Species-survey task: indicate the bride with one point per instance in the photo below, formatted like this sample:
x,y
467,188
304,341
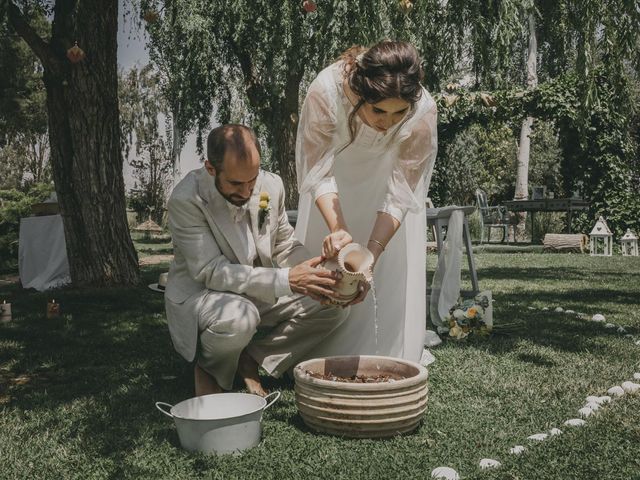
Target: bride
x,y
365,150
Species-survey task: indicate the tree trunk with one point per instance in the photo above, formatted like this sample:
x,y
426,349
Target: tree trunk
x,y
84,135
176,148
559,242
284,127
281,120
522,173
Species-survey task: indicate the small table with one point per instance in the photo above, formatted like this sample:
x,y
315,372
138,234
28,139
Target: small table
x,y
568,205
438,218
42,253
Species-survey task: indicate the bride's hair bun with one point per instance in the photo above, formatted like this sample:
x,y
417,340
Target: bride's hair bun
x,y
387,70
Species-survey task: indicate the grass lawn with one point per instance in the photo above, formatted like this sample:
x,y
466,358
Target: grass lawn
x,y
77,393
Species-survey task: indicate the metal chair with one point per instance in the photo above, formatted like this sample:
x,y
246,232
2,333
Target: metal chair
x,y
493,217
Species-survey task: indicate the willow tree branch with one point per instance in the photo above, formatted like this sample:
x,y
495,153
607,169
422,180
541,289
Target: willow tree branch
x,y
22,27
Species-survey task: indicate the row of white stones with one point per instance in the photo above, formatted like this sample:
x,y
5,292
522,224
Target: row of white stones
x,y
592,405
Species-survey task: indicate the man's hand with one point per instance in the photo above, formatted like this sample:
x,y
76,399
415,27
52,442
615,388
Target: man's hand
x,y
363,290
333,242
317,283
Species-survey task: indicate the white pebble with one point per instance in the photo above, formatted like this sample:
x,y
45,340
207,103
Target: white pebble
x,y
555,431
489,463
592,398
544,309
636,375
603,399
575,422
622,330
427,358
585,412
570,312
531,308
598,317
559,309
638,342
630,387
517,450
609,325
538,437
616,391
628,335
593,406
445,473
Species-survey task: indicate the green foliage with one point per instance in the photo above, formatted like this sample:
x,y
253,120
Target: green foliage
x,y
141,105
22,93
15,204
597,150
24,152
479,157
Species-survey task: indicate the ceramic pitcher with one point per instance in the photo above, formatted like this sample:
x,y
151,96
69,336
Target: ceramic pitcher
x,y
355,263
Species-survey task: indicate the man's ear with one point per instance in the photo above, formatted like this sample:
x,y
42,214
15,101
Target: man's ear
x,y
210,168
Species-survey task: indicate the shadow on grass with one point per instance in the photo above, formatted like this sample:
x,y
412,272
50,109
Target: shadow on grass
x,y
566,274
106,360
562,332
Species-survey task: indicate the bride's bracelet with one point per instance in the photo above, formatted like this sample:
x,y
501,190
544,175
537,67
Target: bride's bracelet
x,y
376,241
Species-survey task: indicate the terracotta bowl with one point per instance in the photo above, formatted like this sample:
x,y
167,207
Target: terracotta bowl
x,y
361,410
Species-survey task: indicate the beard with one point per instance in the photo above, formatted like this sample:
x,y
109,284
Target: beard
x,y
233,199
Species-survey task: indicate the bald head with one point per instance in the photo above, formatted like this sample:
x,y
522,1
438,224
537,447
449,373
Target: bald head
x,y
232,142
233,158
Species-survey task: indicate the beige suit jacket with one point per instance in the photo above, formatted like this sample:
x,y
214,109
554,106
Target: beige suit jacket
x,y
208,253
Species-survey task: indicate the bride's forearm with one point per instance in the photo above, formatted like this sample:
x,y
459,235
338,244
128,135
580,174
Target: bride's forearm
x,y
383,230
329,206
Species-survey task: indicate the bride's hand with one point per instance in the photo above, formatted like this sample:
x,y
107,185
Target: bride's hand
x,y
333,242
363,289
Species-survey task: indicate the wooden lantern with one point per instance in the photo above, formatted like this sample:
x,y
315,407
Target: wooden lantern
x,y
601,239
53,309
75,54
5,312
151,16
309,6
406,5
629,244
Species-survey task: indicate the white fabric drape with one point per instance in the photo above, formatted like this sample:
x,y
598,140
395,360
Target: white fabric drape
x,y
445,289
42,253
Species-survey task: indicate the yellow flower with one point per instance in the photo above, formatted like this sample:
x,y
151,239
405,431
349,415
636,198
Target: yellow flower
x,y
472,312
455,332
263,204
264,197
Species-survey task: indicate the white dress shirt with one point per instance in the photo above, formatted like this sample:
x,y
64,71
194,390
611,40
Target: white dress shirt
x,y
241,222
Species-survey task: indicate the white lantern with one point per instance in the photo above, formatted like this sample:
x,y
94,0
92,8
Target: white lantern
x,y
601,239
629,244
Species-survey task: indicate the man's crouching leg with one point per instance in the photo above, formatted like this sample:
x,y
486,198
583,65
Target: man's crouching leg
x,y
226,324
300,323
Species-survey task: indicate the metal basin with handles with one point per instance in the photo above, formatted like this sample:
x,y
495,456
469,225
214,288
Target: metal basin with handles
x,y
220,423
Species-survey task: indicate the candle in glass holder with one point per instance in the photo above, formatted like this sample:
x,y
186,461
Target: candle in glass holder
x,y
5,312
53,309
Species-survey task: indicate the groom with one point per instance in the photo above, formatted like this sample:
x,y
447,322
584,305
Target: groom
x,y
238,266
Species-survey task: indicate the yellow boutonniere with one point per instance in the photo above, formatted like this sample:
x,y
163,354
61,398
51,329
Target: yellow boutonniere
x,y
264,207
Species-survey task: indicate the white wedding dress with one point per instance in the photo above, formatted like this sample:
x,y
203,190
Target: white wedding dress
x,y
379,172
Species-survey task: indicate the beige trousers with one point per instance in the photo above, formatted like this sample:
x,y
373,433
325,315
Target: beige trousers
x,y
227,323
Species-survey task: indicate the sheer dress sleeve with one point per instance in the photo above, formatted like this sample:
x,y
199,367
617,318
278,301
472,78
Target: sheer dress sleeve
x,y
415,150
316,140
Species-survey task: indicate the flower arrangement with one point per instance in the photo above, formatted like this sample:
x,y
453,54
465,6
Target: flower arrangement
x,y
470,315
264,208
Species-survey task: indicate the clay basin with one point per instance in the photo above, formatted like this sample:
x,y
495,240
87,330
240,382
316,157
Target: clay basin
x,y
361,410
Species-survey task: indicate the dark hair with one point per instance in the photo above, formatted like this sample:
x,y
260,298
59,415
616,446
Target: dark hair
x,y
386,70
231,137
